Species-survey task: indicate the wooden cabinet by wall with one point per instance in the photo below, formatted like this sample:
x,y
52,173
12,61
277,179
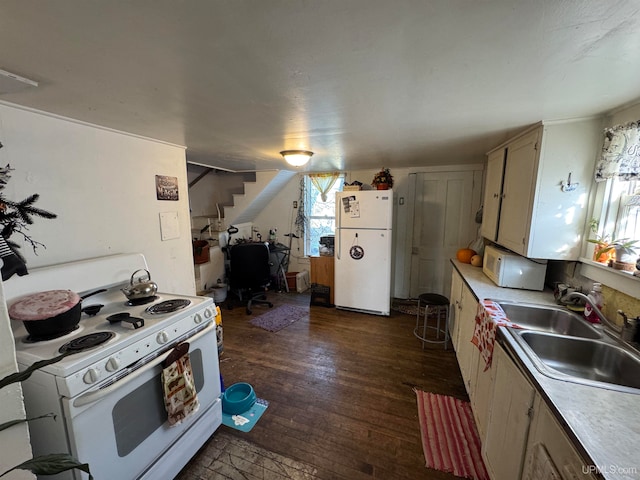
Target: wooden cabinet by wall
x,y
493,193
462,319
505,441
550,453
528,207
523,439
322,272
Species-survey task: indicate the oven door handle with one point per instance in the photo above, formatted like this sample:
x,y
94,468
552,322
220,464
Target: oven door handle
x,y
96,395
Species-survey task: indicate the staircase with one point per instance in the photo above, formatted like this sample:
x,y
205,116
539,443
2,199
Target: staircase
x,y
246,206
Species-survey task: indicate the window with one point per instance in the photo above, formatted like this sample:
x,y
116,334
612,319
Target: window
x,y
628,212
321,215
617,204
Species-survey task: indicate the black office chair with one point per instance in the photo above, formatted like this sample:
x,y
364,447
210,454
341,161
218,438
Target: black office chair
x,y
250,273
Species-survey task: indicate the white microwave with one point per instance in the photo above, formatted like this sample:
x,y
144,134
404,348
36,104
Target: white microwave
x,y
508,269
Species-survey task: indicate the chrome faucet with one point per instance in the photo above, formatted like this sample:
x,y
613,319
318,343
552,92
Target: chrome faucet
x,y
595,308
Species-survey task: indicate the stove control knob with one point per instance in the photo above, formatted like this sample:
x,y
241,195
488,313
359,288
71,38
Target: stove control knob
x,y
208,313
162,338
197,318
112,364
91,376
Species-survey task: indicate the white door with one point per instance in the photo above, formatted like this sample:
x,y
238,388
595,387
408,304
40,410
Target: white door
x,y
363,270
445,205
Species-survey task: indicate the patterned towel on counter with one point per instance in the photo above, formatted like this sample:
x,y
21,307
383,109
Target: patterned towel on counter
x,y
180,398
489,317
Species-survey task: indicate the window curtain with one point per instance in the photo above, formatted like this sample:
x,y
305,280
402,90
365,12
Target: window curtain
x,y
323,182
620,153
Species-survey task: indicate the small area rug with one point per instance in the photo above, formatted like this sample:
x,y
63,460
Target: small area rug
x,y
408,306
280,317
450,440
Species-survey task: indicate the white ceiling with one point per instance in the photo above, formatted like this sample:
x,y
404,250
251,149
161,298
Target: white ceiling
x,y
362,83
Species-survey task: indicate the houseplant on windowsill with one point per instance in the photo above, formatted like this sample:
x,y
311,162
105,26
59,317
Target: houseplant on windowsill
x,y
617,253
625,254
383,180
604,249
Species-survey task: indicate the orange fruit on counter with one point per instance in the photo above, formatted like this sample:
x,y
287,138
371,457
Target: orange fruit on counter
x,y
464,255
476,261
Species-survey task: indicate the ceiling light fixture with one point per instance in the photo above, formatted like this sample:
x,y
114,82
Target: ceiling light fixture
x,y
297,158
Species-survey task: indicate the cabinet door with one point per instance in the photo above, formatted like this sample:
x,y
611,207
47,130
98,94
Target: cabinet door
x,y
455,307
550,453
508,427
492,194
517,192
482,395
467,357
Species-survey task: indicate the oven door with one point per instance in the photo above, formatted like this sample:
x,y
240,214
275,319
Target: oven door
x,y
121,430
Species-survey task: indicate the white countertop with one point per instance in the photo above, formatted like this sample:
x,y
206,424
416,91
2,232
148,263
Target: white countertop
x,y
604,424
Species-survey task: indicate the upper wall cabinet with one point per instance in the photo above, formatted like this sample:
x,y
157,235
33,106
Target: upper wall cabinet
x,y
537,188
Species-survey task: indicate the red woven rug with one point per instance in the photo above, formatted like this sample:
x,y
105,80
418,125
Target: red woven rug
x,y
450,439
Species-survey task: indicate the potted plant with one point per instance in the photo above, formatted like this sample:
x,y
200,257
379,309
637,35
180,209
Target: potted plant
x,y
603,251
625,254
619,252
383,180
51,464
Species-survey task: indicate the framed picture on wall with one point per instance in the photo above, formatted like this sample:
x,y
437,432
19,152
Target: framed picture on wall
x,y
166,187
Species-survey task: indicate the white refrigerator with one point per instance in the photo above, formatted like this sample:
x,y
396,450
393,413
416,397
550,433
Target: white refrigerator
x,y
363,251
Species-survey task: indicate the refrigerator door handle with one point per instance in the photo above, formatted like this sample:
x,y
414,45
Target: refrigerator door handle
x,y
339,207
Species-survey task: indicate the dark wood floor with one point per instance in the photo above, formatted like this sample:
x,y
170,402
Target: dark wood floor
x,y
340,386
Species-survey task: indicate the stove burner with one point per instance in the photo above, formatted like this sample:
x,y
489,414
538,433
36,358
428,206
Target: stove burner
x,y
44,338
168,306
86,341
141,301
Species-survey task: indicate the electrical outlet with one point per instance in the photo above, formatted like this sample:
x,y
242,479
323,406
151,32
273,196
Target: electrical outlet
x,y
295,204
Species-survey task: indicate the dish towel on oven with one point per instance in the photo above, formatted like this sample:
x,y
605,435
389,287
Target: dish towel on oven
x,y
489,317
180,397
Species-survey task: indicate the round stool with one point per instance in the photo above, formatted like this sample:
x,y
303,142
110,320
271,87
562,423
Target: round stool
x,y
436,308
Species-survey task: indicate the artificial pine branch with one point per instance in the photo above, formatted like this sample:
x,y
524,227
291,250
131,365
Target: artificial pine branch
x,y
15,217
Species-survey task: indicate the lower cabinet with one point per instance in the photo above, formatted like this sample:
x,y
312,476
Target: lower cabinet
x,y
550,454
464,307
523,439
512,398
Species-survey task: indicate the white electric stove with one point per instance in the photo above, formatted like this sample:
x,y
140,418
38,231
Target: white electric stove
x,y
108,396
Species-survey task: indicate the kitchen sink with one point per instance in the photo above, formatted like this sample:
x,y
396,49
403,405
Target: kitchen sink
x,y
582,360
548,318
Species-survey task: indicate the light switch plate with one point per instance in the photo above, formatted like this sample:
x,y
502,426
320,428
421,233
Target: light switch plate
x,y
169,227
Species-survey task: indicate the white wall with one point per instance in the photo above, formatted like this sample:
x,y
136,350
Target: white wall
x,y
101,184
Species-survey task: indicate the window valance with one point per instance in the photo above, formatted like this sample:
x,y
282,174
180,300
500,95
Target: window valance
x,y
620,153
323,182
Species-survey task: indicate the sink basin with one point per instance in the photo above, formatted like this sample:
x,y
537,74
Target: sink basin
x,y
587,361
547,318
